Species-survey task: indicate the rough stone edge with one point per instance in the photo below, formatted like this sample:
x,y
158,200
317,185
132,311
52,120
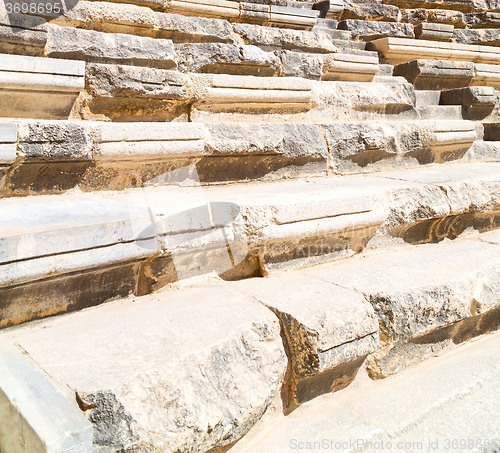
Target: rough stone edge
x,y
58,425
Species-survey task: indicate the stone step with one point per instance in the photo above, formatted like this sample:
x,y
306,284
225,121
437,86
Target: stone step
x,y
441,112
39,87
427,98
401,50
218,352
95,156
138,241
409,411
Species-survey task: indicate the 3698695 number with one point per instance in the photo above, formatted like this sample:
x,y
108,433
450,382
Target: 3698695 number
x,y
33,8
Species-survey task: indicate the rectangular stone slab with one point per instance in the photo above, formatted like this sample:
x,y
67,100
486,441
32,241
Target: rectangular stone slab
x,y
35,416
39,87
399,50
211,356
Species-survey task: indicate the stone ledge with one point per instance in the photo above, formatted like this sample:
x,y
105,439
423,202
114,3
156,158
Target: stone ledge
x,y
40,87
400,50
421,290
213,358
35,416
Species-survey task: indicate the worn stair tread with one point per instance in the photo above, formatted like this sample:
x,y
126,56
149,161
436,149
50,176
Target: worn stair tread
x,y
193,349
412,406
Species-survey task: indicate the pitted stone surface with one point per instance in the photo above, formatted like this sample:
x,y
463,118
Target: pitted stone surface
x,y
182,371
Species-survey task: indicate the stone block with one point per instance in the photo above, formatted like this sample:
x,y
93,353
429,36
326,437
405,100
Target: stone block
x,y
325,327
487,75
411,298
465,6
434,32
272,38
247,94
478,102
142,141
8,143
205,8
436,74
219,58
298,18
482,37
254,13
39,87
210,383
371,12
397,51
368,31
358,147
354,68
298,64
486,19
437,16
35,416
64,235
137,20
135,93
112,48
21,34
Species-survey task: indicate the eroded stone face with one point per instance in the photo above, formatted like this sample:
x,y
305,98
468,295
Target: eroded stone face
x,y
186,372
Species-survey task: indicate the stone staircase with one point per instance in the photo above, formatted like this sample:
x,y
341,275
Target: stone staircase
x,y
234,208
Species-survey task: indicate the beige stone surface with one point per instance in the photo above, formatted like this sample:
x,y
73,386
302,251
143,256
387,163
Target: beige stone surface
x,y
93,46
185,370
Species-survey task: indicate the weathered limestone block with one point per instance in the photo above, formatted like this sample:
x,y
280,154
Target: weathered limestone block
x,y
438,16
487,74
356,68
483,20
348,101
298,64
21,34
8,148
124,93
253,13
61,236
357,147
114,48
398,50
219,58
328,331
299,18
136,20
477,101
35,416
205,8
434,32
291,140
210,383
421,290
436,74
272,38
483,37
368,31
465,6
231,94
372,12
143,141
39,87
8,143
